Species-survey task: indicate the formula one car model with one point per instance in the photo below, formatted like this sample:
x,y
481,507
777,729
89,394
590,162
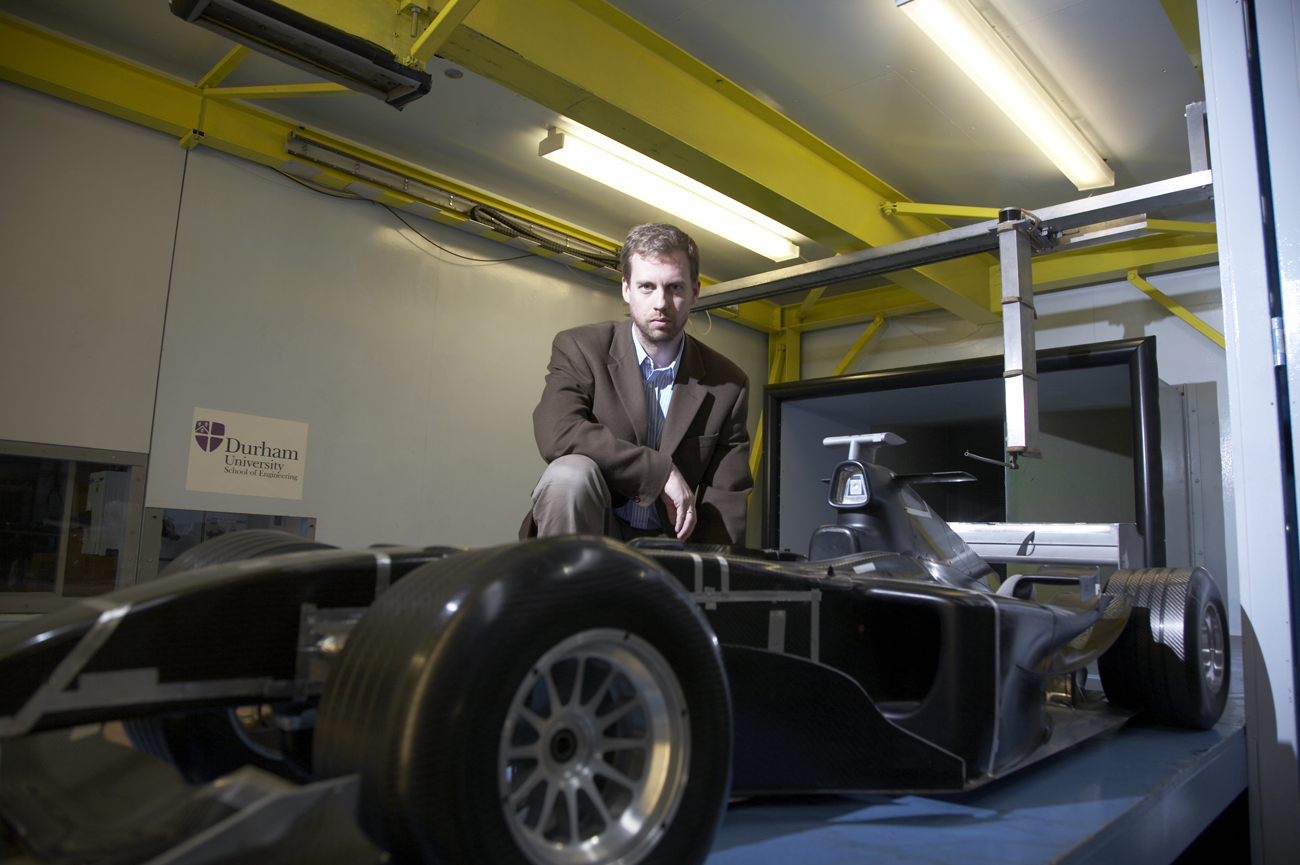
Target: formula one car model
x,y
580,700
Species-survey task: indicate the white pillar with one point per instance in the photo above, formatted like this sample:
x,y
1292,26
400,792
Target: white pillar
x,y
1253,489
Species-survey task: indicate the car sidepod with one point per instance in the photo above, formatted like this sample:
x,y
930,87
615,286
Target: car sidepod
x,y
865,674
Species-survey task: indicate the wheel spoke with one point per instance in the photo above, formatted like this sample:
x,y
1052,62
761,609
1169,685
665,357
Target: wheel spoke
x,y
526,788
552,692
575,695
605,684
548,809
571,800
600,767
525,752
597,800
617,714
537,723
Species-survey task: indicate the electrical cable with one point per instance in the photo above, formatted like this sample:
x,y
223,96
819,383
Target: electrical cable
x,y
900,320
514,227
708,317
492,217
321,188
333,193
402,220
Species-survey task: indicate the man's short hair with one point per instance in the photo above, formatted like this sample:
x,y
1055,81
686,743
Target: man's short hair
x,y
657,240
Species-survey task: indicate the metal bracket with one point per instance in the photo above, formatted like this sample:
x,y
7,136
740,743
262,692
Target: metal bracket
x,y
321,636
1011,463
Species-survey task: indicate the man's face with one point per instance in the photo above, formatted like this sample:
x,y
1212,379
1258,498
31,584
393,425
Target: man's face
x,y
660,293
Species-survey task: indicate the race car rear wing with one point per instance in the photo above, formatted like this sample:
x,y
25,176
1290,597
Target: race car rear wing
x,y
1116,545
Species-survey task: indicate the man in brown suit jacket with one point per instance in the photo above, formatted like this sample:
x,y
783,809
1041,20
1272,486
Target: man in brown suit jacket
x,y
641,419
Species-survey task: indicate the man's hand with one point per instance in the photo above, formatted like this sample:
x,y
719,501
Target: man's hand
x,y
679,498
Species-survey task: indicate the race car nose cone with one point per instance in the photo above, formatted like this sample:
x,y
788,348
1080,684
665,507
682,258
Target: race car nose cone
x,y
564,745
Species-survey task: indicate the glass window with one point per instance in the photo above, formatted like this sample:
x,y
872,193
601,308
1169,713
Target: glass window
x,y
69,527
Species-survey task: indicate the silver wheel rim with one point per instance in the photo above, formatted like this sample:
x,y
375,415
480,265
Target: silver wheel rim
x,y
1212,654
594,753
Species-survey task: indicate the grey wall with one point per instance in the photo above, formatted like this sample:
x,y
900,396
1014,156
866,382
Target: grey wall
x,y
415,370
85,240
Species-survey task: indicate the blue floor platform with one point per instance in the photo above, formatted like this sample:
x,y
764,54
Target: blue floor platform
x,y
1140,794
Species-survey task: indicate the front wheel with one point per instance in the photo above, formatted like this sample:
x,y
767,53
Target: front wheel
x,y
1173,659
554,702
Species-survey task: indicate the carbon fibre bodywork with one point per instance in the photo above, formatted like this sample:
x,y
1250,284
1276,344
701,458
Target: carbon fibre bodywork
x,y
865,673
880,671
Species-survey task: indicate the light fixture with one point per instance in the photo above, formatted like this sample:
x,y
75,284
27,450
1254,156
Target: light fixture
x,y
600,158
967,38
314,46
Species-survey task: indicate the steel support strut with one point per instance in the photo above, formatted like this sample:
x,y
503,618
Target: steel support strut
x,y
1020,374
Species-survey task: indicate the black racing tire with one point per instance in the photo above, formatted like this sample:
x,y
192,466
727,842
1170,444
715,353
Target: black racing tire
x,y
204,744
238,546
436,693
1173,659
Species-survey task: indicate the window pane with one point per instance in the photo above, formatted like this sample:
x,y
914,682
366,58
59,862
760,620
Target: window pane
x,y
98,529
32,492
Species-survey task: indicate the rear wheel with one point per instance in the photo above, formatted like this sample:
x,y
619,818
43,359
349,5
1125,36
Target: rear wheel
x,y
204,744
554,703
1173,659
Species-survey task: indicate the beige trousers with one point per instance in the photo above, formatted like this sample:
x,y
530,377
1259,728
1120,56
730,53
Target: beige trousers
x,y
572,498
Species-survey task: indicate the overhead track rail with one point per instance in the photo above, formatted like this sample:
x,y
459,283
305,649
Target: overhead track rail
x,y
955,243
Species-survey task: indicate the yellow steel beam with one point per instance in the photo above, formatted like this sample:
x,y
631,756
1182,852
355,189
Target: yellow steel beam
x,y
1170,226
1103,263
1182,14
859,306
277,91
756,449
860,345
1176,308
218,73
433,37
940,211
51,64
810,301
775,373
589,61
761,315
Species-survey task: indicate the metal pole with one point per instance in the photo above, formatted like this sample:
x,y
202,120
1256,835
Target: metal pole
x,y
1020,366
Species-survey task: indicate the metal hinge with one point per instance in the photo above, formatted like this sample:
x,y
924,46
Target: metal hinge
x,y
1279,342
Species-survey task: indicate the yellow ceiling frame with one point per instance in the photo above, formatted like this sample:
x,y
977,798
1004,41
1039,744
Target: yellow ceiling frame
x,y
591,62
49,63
1176,308
60,67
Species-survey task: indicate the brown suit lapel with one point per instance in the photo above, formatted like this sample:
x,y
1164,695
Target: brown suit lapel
x,y
626,375
688,393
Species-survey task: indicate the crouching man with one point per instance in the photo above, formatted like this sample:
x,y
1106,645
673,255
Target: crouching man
x,y
642,426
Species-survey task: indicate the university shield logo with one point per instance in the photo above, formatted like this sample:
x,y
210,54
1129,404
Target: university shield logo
x,y
209,434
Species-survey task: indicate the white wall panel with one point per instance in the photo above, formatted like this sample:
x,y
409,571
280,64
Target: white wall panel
x,y
86,240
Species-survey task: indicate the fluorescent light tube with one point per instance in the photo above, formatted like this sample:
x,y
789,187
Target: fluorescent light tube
x,y
967,38
600,158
